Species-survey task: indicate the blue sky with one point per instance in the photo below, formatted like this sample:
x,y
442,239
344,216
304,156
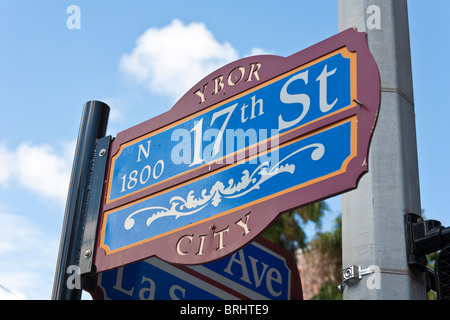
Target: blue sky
x,y
48,71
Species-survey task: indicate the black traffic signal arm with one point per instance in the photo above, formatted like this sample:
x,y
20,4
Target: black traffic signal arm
x,y
423,237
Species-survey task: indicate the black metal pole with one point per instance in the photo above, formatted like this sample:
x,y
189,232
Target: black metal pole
x,y
93,127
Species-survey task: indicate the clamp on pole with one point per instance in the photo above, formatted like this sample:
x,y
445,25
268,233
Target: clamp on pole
x,y
351,273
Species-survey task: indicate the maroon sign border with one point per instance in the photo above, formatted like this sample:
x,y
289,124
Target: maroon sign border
x,y
366,110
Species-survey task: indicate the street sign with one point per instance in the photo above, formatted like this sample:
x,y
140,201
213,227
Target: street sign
x,y
256,138
259,271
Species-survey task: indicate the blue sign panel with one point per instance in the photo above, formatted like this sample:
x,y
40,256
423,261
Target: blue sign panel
x,y
267,111
303,161
153,279
253,269
254,272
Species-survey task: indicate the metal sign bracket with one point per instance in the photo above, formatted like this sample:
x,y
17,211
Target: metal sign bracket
x,y
95,191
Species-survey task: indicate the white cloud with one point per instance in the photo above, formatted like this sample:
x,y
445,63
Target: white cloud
x,y
39,168
259,51
172,59
6,165
119,107
27,256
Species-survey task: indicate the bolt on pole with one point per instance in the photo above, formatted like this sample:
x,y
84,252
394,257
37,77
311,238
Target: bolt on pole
x,y
373,214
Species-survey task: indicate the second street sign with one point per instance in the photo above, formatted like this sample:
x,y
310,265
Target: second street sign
x,y
259,271
254,139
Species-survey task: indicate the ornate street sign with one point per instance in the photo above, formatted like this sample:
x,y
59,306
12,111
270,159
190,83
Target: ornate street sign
x,y
256,138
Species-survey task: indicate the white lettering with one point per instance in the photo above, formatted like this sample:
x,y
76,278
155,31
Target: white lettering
x,y
244,309
133,180
218,84
287,98
146,152
147,293
183,253
244,225
161,170
220,233
201,94
198,135
254,71
258,279
241,75
243,118
148,169
228,111
260,103
233,78
259,269
118,285
208,151
241,262
197,310
144,176
173,295
202,241
324,106
270,279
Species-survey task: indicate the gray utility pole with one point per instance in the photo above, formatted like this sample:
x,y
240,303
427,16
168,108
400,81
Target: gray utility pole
x,y
373,214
